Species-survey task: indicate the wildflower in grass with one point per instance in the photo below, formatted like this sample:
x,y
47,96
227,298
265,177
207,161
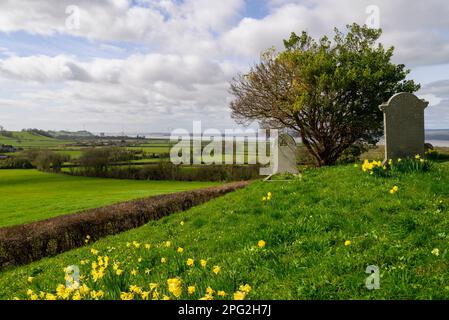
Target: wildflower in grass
x,y
180,250
210,291
417,157
147,246
34,297
216,269
269,195
168,244
191,289
394,190
128,244
135,289
261,244
163,260
126,296
348,243
134,272
390,162
136,244
155,295
190,262
174,286
165,297
399,160
83,262
94,251
221,293
153,286
29,292
181,223
264,199
245,288
239,295
30,279
119,272
139,260
207,297
76,296
97,294
356,165
145,295
84,289
147,271
436,252
203,263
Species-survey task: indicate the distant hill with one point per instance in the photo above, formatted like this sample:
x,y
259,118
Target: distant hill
x,y
27,139
441,134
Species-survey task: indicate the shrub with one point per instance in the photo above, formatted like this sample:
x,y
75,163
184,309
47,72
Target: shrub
x,y
400,166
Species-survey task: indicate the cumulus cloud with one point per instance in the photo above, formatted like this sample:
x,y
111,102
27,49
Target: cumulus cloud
x,y
185,52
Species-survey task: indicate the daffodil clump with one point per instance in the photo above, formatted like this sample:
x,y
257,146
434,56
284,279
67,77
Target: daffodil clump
x,y
267,198
392,167
149,272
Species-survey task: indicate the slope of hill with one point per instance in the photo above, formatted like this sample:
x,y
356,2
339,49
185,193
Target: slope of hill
x,y
28,139
314,239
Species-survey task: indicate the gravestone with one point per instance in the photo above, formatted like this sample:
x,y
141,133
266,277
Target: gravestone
x,y
404,126
287,155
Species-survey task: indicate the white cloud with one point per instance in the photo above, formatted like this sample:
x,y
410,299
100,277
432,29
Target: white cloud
x,y
187,52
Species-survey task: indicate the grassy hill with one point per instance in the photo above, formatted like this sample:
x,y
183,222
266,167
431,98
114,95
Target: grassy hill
x,y
319,235
28,139
30,195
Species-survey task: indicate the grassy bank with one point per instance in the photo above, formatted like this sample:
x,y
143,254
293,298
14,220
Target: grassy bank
x,y
320,234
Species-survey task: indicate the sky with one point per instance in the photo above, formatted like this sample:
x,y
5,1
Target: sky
x,y
157,65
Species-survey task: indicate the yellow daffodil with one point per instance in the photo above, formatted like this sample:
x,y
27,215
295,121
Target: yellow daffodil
x,y
216,269
174,286
134,272
168,244
394,190
436,252
163,260
348,243
210,291
180,250
181,223
245,288
239,295
30,279
147,246
126,296
191,289
261,244
203,263
94,251
190,262
221,293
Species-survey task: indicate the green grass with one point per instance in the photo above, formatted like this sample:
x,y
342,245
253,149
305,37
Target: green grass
x,y
30,195
28,140
305,226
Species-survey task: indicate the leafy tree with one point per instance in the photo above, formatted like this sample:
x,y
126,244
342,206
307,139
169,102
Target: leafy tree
x,y
328,91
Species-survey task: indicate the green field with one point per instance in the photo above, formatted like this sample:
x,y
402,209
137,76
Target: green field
x,y
30,195
29,140
305,226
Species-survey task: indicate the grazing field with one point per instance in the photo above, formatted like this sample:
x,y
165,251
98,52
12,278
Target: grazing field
x,y
319,234
30,195
29,140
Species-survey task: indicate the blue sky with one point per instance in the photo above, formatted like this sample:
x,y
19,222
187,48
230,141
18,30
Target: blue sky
x,y
150,65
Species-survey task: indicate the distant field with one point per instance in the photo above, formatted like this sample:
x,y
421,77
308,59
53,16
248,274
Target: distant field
x,y
30,195
29,140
